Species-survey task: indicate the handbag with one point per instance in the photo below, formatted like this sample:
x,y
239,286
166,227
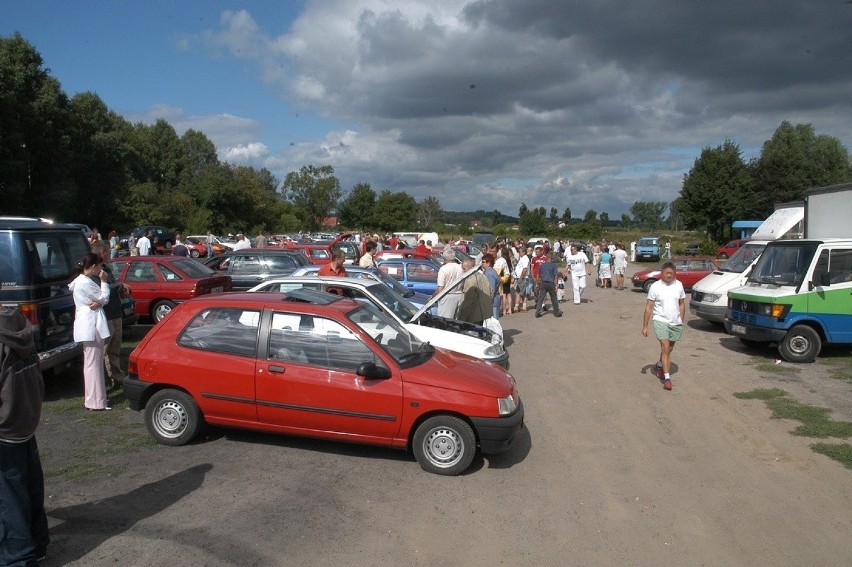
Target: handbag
x,y
504,276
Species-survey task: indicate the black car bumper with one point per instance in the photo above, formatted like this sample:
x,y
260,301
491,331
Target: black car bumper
x,y
137,391
497,434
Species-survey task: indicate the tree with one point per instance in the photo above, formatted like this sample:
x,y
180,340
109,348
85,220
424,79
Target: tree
x,y
716,191
532,223
796,159
604,216
315,191
566,216
428,212
522,210
648,214
395,211
554,215
356,210
625,220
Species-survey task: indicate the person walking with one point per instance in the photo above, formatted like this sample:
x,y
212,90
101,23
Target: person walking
x,y
476,301
548,272
179,249
521,275
619,265
495,281
210,241
578,266
114,316
24,534
260,241
91,327
666,303
503,267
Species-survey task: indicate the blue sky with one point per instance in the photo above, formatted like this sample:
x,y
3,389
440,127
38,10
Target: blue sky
x,y
482,104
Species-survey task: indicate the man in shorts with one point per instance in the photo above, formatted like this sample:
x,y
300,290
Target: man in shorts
x,y
667,303
619,265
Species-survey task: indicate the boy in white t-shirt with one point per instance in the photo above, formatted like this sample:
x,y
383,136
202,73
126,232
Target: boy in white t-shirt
x,y
667,303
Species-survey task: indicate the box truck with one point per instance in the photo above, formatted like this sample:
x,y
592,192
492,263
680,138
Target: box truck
x,y
799,293
709,298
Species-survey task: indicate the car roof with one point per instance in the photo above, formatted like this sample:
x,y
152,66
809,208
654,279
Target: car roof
x,y
306,301
271,251
342,281
151,258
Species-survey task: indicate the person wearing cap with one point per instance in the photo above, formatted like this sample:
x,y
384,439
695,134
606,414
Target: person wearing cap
x,y
242,242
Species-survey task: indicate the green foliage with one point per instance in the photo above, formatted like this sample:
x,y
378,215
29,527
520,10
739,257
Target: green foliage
x,y
815,421
840,452
533,223
315,191
395,211
648,214
566,216
429,212
356,210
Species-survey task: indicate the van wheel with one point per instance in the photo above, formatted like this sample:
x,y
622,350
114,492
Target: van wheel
x,y
172,417
444,445
801,344
161,309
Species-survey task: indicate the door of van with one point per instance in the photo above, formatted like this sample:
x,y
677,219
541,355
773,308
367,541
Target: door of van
x,y
831,295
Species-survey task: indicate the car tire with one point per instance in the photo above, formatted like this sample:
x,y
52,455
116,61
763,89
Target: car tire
x,y
160,309
723,256
800,344
444,445
172,417
647,285
194,253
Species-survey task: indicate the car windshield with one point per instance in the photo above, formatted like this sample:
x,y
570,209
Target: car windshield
x,y
782,264
397,304
743,258
193,269
394,339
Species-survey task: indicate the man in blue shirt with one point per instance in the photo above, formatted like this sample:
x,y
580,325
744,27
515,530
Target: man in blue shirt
x,y
548,272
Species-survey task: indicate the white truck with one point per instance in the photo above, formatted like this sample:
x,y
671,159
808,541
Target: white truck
x,y
799,293
709,298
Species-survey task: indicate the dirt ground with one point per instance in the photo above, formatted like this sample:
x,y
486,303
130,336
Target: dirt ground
x,y
610,469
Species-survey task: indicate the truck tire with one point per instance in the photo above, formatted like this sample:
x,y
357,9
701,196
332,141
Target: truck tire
x,y
800,344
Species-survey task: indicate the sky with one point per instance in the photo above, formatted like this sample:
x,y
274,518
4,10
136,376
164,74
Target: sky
x,y
483,104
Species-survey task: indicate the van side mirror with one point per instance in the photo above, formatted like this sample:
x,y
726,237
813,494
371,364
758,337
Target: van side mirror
x,y
373,371
825,279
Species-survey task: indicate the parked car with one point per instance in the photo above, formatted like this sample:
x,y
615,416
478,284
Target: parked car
x,y
319,252
689,271
460,336
158,283
726,251
36,260
164,235
251,266
198,246
648,249
415,298
692,249
318,365
219,246
416,274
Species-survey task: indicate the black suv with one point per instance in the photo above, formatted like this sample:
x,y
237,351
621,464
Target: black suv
x,y
165,236
36,260
251,266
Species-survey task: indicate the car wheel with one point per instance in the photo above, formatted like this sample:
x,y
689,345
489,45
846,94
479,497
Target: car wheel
x,y
194,253
800,344
172,417
723,256
161,309
444,445
647,285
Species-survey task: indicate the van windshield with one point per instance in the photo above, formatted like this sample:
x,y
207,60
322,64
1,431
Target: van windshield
x,y
783,264
743,258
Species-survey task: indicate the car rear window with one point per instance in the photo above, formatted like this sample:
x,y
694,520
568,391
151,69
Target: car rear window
x,y
34,257
226,330
194,269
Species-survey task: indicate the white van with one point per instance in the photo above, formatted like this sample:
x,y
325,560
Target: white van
x,y
412,238
710,296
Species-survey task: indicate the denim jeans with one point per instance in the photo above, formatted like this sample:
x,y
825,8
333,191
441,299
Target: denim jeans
x,y
23,522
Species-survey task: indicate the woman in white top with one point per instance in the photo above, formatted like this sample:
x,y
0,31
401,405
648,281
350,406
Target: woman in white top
x,y
91,327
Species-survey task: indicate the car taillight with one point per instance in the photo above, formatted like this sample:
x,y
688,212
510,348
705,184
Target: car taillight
x,y
195,291
30,311
132,368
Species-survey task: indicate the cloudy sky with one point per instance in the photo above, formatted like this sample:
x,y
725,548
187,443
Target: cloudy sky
x,y
483,104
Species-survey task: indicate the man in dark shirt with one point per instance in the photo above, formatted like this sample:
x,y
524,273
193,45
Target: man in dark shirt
x,y
548,272
180,249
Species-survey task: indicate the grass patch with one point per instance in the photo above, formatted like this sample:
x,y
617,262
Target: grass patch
x,y
778,368
814,420
840,452
81,470
843,370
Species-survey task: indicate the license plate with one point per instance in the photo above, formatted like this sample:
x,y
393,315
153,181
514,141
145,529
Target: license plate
x,y
738,329
218,289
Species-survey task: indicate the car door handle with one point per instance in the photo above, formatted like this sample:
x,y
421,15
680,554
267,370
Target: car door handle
x,y
277,369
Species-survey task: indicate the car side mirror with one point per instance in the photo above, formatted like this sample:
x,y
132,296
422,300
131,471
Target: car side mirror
x,y
373,371
825,279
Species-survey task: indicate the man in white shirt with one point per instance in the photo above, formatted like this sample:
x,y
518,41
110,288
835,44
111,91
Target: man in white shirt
x,y
367,260
449,273
667,303
619,265
144,245
578,264
521,275
242,242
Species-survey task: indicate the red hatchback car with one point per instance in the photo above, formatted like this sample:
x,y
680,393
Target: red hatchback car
x,y
318,365
158,283
689,271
